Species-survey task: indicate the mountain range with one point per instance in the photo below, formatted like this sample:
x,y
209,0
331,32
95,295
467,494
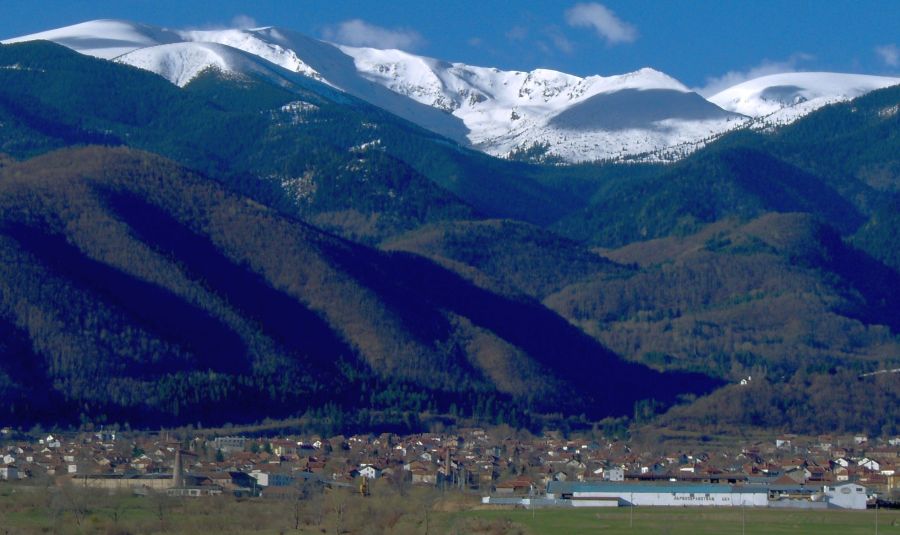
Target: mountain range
x,y
644,114
257,240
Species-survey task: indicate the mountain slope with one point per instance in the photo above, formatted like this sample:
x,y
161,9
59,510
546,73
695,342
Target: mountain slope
x,y
783,98
505,256
152,295
855,146
180,63
780,300
840,162
636,109
353,167
513,110
103,38
713,184
326,156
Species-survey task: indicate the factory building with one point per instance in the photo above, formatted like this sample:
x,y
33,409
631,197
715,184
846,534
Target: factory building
x,y
675,494
659,494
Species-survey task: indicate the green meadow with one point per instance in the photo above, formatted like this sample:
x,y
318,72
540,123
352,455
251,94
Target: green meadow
x,y
688,521
396,511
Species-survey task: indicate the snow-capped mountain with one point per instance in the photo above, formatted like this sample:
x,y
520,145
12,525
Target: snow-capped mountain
x,y
499,112
495,111
574,118
783,98
105,39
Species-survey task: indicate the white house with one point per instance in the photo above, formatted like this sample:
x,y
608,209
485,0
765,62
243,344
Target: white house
x,y
614,474
369,471
8,472
230,444
846,496
269,479
841,474
870,464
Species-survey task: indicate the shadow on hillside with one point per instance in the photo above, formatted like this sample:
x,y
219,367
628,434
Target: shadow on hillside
x,y
785,188
878,284
604,384
31,398
295,327
156,309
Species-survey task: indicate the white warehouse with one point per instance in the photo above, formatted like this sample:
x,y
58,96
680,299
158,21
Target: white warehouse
x,y
845,496
662,494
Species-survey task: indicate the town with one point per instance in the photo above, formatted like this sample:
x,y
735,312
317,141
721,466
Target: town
x,y
499,466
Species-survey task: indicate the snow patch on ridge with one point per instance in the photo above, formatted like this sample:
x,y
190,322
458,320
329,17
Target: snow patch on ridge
x,y
104,38
182,62
783,98
250,42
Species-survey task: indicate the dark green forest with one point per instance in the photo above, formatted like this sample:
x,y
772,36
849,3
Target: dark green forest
x,y
140,292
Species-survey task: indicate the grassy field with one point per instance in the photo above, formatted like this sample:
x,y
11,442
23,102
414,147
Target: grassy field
x,y
683,521
64,510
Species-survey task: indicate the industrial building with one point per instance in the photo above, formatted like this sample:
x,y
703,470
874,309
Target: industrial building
x,y
660,494
158,482
679,494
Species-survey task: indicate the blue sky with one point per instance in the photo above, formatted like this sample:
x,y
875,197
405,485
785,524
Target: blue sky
x,y
703,43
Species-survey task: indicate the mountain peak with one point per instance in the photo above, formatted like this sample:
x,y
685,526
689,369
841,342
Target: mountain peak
x,y
786,96
104,38
496,111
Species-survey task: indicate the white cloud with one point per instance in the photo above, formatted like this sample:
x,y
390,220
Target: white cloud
x,y
767,67
889,54
357,32
603,21
517,33
560,41
244,22
547,39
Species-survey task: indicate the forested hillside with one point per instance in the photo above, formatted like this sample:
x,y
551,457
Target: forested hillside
x,y
840,163
326,156
133,290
